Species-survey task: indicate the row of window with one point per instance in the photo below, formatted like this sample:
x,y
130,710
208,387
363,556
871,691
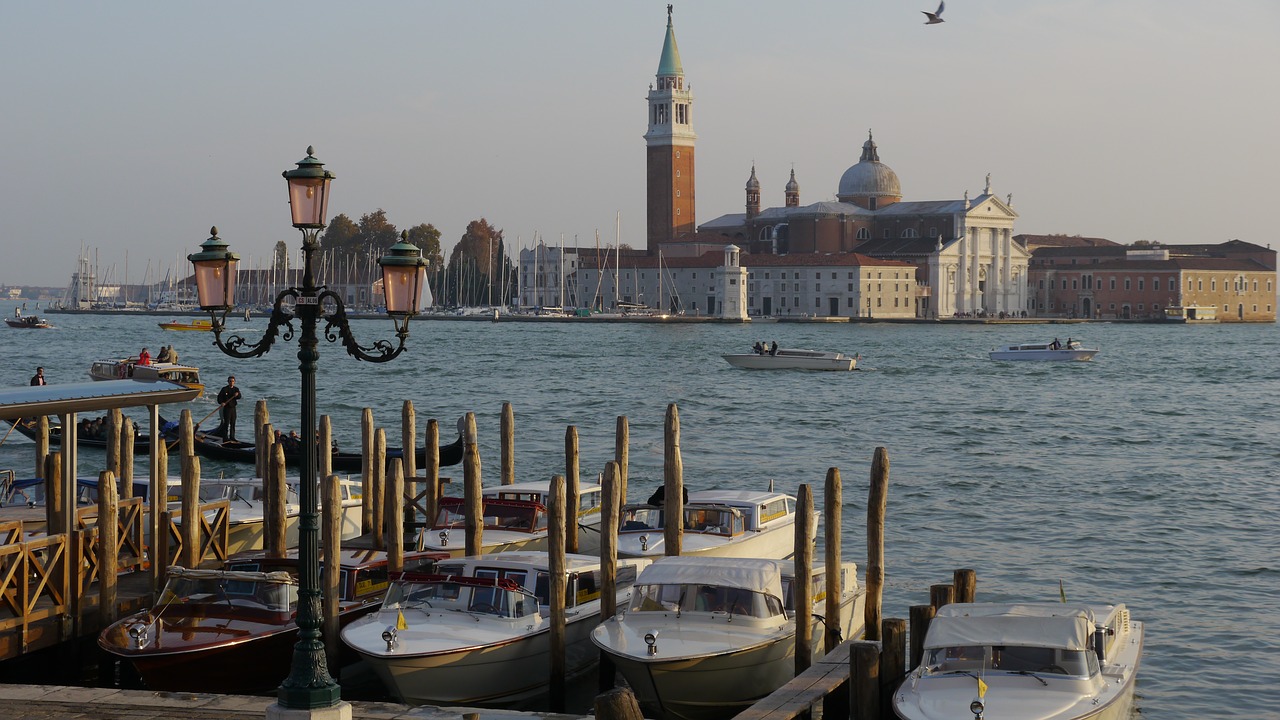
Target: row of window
x,y
1239,283
817,302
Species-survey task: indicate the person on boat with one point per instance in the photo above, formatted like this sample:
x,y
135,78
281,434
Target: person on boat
x,y
228,396
1068,343
1055,345
173,355
774,350
758,348
659,496
144,357
38,378
163,355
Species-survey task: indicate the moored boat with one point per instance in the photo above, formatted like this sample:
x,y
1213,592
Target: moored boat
x,y
722,523
1031,661
515,518
704,637
120,369
233,630
193,325
792,359
478,631
1070,350
90,432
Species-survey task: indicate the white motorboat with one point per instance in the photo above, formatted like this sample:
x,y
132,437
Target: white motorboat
x,y
793,359
515,518
1034,661
246,516
120,369
1070,350
477,632
706,637
722,523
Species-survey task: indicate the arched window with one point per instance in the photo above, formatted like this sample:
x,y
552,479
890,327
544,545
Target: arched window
x,y
910,233
864,234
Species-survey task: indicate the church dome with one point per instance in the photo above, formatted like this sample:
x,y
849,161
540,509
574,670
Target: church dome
x,y
870,178
792,185
752,182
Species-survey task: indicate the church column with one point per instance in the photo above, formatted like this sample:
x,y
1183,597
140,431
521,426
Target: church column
x,y
975,267
961,292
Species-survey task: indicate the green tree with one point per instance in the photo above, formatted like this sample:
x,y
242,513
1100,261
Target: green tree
x,y
281,254
342,235
376,231
474,273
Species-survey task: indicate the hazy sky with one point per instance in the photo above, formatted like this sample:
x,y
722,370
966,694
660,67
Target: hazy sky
x,y
137,125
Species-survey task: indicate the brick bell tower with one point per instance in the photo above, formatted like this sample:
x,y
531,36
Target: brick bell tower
x,y
669,150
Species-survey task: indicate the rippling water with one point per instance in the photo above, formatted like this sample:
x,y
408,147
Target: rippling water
x,y
1146,477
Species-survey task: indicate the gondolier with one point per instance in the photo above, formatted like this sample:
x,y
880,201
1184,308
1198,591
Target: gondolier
x,y
227,399
38,378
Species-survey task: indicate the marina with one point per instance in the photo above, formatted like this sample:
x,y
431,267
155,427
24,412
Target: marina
x,y
976,461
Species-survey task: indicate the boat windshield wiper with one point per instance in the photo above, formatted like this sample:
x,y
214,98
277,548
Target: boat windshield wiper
x,y
1031,674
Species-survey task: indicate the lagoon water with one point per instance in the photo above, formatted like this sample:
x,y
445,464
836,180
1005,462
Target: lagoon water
x,y
1150,476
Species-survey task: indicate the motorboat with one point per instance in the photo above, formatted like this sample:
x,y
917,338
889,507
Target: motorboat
x,y
123,368
793,359
515,518
193,325
233,630
478,630
1031,661
721,523
214,447
28,322
246,515
704,638
1070,350
1191,314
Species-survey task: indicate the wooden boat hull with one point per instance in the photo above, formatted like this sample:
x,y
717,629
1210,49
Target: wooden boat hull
x,y
26,426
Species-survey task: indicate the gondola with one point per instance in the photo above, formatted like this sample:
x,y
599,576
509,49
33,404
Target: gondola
x,y
214,447
27,426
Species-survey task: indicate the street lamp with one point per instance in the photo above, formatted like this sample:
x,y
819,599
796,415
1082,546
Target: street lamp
x,y
309,685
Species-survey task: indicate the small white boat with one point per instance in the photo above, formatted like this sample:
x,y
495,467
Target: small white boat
x,y
1033,661
120,369
515,518
246,518
1070,350
478,631
721,523
704,637
793,359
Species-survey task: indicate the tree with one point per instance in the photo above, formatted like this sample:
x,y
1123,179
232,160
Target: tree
x,y
476,266
342,235
376,232
426,238
281,254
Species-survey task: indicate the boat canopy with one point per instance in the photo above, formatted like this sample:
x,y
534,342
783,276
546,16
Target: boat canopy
x,y
275,576
757,575
1053,625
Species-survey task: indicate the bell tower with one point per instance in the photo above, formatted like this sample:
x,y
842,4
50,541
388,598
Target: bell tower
x,y
669,146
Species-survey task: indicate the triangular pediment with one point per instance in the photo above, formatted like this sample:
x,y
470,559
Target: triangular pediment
x,y
990,206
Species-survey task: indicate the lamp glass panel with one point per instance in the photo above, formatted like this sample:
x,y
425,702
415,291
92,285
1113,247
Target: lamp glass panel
x,y
216,282
307,200
397,287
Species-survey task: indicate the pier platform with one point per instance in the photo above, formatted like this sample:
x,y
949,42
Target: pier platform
x,y
56,702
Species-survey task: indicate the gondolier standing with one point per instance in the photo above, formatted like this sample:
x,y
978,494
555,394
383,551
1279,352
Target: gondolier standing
x,y
38,378
227,399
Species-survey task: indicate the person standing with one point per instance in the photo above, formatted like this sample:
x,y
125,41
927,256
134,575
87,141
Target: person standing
x,y
228,396
38,378
144,357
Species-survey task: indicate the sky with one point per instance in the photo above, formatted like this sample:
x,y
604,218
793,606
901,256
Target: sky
x,y
129,128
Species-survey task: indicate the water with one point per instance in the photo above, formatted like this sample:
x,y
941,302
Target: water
x,y
1146,477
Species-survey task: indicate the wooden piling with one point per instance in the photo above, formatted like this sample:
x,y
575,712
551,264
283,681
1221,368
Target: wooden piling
x,y
877,496
508,444
893,655
108,547
379,487
673,482
431,474
617,704
621,455
832,506
408,443
473,521
324,448
558,579
921,616
802,588
262,440
864,679
941,594
55,501
366,472
186,434
159,504
395,517
190,507
126,459
275,528
268,440
114,419
42,444
966,584
610,511
331,542
571,489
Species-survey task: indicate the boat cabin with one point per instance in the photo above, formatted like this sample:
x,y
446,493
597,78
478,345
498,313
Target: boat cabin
x,y
528,570
491,596
740,587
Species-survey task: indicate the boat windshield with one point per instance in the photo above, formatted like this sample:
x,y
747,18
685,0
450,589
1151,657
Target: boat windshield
x,y
247,594
1011,658
456,594
704,598
498,515
713,520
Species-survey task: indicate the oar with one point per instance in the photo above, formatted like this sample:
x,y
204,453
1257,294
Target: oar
x,y
206,417
11,427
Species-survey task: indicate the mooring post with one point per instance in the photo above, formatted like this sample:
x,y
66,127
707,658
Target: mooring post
x,y
379,487
508,444
331,541
966,584
831,509
191,554
395,517
408,442
621,453
864,679
275,493
558,590
877,496
431,493
108,548
893,654
366,472
941,594
114,419
54,499
802,587
571,489
610,510
262,439
324,448
921,616
126,459
159,503
673,482
473,521
186,434
617,704
42,445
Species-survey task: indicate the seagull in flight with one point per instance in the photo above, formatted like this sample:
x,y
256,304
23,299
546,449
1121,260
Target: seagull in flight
x,y
935,17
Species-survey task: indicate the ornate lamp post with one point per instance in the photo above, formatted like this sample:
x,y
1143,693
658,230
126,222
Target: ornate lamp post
x,y
309,685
